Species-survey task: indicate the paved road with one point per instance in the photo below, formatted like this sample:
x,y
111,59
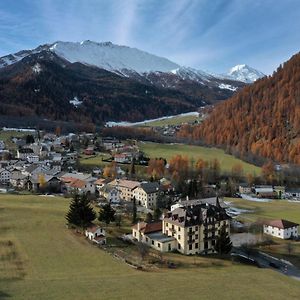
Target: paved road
x,y
267,261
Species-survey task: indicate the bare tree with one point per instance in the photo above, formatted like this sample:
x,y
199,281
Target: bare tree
x,y
143,250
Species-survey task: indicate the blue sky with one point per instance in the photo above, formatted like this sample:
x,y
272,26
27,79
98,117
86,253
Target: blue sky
x,y
205,34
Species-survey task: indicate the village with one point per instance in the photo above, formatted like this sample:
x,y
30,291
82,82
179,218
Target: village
x,y
153,212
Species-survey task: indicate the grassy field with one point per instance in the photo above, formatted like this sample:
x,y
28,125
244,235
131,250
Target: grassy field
x,y
276,209
41,259
94,160
176,120
7,135
196,152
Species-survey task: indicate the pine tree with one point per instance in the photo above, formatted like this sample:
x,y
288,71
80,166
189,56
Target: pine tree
x,y
132,168
107,214
80,212
134,211
223,243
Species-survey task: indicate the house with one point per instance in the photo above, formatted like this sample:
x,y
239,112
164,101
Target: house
x,y
264,191
96,234
151,234
282,229
2,145
89,150
18,180
43,182
122,158
111,144
190,230
125,187
146,194
82,186
244,188
110,193
32,158
4,175
292,194
23,153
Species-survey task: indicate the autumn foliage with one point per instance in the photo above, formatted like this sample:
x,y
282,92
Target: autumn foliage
x,y
263,119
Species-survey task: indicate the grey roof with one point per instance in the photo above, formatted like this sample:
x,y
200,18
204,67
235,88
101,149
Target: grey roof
x,y
149,187
160,237
25,150
31,168
211,201
195,214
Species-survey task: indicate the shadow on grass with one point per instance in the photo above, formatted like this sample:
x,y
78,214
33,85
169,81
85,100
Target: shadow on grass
x,y
4,295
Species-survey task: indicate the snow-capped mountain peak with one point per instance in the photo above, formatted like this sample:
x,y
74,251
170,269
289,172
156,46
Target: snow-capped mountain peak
x,y
112,57
244,73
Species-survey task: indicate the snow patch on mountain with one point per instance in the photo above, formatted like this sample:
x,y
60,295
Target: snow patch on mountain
x,y
192,74
244,73
227,87
75,101
112,57
37,68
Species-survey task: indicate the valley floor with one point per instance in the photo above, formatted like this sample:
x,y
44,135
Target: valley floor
x,y
42,259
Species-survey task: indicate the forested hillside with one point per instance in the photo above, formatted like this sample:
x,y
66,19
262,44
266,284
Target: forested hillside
x,y
262,119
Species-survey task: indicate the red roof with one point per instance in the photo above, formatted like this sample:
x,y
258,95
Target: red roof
x,y
149,227
282,224
92,228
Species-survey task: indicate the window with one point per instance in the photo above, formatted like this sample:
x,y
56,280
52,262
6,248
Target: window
x,y
146,239
169,247
152,242
196,228
196,236
179,236
178,228
179,246
158,245
190,247
196,245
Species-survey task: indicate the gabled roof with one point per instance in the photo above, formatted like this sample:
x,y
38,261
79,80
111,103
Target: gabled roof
x,y
149,187
281,224
149,227
130,184
78,183
93,228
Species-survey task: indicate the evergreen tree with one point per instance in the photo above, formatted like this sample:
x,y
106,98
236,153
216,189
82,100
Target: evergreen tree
x,y
29,139
107,214
134,211
157,214
80,212
132,168
223,243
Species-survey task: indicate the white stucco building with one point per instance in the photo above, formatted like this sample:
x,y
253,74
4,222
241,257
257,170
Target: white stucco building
x,y
96,234
282,229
